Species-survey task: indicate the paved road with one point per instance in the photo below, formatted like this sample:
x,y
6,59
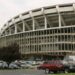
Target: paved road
x,y
22,72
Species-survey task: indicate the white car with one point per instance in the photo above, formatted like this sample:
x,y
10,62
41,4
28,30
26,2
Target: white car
x,y
25,65
13,66
3,64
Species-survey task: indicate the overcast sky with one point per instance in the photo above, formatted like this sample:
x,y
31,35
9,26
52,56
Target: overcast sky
x,y
11,8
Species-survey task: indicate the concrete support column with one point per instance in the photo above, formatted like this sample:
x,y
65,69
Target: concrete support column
x,y
33,20
23,26
45,18
59,16
15,28
33,23
59,20
45,21
74,7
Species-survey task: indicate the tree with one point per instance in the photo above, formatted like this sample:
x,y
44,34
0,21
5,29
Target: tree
x,y
10,53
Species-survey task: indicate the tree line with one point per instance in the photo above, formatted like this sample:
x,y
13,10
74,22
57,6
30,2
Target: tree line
x,y
10,53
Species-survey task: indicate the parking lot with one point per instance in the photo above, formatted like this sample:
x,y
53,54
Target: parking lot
x,y
22,72
29,72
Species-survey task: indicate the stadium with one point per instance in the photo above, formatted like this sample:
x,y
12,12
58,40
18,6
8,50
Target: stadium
x,y
42,33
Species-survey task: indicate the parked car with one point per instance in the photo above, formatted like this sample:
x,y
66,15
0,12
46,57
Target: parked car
x,y
52,66
39,62
25,64
3,65
13,65
69,63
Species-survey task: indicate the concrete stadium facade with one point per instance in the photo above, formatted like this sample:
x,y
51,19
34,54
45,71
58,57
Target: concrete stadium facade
x,y
46,31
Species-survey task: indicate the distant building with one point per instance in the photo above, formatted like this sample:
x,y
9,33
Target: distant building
x,y
43,32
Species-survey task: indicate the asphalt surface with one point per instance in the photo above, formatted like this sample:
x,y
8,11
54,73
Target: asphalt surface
x,y
22,72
